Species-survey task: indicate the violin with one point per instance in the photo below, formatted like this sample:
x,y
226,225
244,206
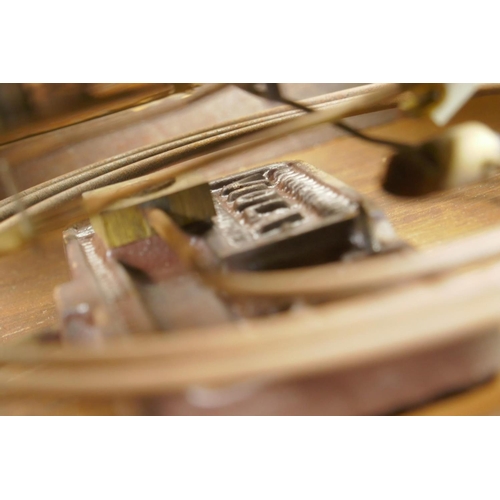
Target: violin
x,y
251,249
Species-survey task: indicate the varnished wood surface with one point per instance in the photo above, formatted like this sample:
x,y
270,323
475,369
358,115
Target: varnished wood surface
x,y
28,278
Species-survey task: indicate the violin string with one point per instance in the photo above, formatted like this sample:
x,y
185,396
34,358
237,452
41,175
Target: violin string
x,y
432,311
274,93
127,163
275,126
62,385
96,201
54,186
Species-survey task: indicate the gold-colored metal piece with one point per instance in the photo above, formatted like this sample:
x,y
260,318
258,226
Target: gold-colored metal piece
x,y
119,227
122,225
188,206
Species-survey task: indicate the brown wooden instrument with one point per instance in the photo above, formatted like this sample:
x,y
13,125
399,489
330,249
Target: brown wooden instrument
x,y
405,332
